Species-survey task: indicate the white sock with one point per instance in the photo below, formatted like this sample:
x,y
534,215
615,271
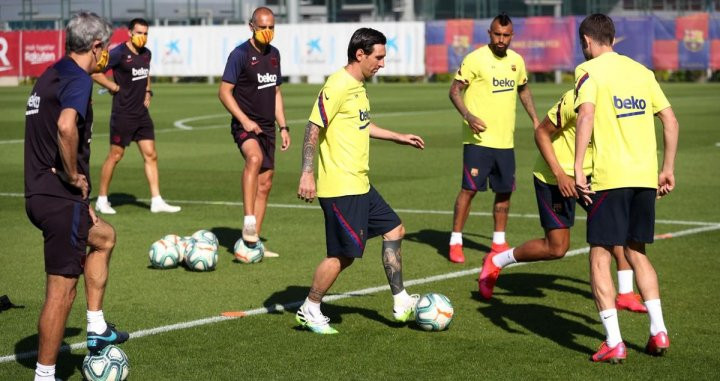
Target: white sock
x,y
96,321
157,199
101,200
401,299
456,238
625,281
505,258
44,372
249,220
498,238
609,319
312,307
657,324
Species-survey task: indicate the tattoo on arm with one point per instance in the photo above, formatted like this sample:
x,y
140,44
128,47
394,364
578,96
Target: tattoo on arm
x,y
392,261
309,147
316,295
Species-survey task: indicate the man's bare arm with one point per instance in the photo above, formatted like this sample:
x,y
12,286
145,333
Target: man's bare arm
x,y
527,101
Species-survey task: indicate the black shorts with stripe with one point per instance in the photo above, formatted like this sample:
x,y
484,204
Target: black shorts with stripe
x,y
619,216
351,220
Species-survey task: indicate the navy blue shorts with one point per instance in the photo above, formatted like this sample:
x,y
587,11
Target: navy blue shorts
x,y
124,130
556,211
266,141
351,220
65,225
618,216
481,164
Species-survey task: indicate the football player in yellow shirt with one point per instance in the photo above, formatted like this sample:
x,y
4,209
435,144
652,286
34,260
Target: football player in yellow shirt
x,y
354,211
616,99
491,78
556,198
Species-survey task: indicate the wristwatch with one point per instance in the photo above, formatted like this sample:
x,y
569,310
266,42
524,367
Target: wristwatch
x,y
149,92
286,128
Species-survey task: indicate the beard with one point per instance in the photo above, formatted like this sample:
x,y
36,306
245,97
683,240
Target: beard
x,y
500,52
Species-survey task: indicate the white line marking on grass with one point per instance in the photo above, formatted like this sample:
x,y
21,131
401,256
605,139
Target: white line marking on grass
x,y
408,211
182,125
365,291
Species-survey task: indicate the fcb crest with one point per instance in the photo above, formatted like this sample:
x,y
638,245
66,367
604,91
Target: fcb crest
x,y
461,44
274,61
693,40
513,67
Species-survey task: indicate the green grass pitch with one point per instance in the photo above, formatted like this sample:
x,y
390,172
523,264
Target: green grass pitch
x,y
542,323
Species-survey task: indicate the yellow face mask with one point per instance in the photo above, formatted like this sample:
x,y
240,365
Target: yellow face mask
x,y
102,62
264,36
138,40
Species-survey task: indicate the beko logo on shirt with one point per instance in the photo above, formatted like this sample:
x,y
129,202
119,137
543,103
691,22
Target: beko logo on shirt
x,y
266,80
636,106
629,103
140,71
505,84
34,104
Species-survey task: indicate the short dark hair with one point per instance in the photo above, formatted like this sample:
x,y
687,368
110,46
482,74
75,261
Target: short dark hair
x,y
599,27
365,39
503,19
137,21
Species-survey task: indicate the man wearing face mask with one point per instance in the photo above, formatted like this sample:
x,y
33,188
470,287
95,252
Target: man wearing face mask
x,y
58,130
130,120
491,77
250,91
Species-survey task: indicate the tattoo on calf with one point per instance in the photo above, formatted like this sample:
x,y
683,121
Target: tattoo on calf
x,y
392,261
501,209
316,295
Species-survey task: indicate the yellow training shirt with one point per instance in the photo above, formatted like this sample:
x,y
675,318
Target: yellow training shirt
x,y
342,110
491,95
626,98
563,116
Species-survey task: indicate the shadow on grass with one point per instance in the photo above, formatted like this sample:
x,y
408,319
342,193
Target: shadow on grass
x,y
440,241
536,285
555,324
293,296
67,362
120,199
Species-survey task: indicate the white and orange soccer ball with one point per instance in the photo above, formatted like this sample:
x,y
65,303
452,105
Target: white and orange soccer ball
x,y
164,254
248,254
201,256
434,312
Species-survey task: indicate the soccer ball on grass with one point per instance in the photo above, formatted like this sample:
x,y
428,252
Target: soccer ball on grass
x,y
111,363
433,312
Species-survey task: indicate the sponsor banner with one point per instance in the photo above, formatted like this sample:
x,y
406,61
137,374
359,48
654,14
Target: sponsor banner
x,y
10,54
634,38
545,43
312,50
693,41
39,50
